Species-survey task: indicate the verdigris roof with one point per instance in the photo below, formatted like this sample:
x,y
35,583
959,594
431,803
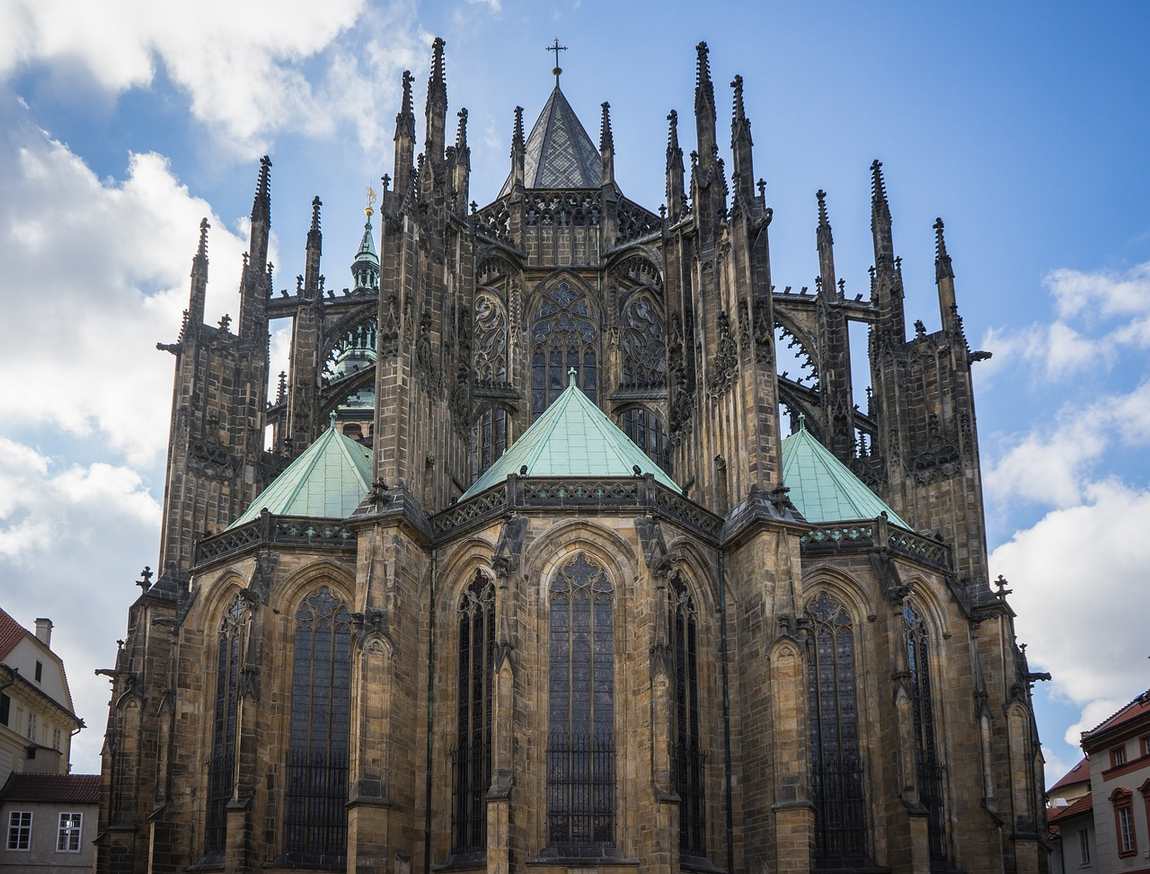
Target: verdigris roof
x,y
558,152
823,488
327,481
573,437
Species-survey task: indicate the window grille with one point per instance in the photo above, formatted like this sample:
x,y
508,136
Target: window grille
x,y
930,770
68,832
836,765
581,746
19,830
471,760
315,815
688,760
221,767
563,335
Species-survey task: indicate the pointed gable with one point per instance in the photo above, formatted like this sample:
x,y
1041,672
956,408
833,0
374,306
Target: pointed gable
x,y
823,488
559,153
327,481
572,438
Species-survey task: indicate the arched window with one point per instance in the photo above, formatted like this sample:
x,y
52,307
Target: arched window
x,y
472,756
644,344
581,753
488,440
222,765
563,335
315,816
688,759
645,427
930,786
836,767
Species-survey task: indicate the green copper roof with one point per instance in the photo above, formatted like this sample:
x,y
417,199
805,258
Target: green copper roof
x,y
573,437
823,488
367,245
327,481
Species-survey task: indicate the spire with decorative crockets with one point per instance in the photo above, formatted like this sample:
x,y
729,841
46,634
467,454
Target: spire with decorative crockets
x,y
314,247
461,167
365,267
199,279
607,145
826,243
742,148
404,139
676,196
944,278
880,221
704,108
518,150
436,112
253,293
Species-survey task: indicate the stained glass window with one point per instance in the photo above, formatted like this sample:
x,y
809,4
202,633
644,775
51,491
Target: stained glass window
x,y
581,754
644,345
488,440
315,816
836,767
472,757
563,336
688,760
930,773
645,427
231,640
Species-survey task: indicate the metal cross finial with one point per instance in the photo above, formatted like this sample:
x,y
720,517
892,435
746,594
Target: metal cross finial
x,y
145,580
556,48
571,374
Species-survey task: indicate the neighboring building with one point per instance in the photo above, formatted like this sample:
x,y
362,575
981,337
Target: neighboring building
x,y
1074,845
584,601
1074,784
37,720
49,821
1119,750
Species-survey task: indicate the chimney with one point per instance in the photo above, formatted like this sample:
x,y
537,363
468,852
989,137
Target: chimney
x,y
44,631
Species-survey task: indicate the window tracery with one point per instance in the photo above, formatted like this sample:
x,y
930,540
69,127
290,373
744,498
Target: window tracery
x,y
643,342
231,641
645,428
491,333
688,757
832,705
472,756
488,439
581,753
930,772
563,336
315,816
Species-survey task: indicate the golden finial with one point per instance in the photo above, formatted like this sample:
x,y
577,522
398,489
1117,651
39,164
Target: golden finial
x,y
369,210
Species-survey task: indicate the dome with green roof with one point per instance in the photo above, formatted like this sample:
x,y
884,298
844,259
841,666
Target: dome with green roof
x,y
327,481
572,438
824,489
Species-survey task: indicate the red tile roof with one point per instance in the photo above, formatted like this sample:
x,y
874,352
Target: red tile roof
x,y
11,633
52,788
1080,773
1138,707
1079,805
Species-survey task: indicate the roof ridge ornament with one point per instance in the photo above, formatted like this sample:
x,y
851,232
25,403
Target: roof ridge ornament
x,y
571,374
556,48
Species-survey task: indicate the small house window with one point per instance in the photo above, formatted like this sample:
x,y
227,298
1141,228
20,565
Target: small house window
x,y
1117,756
1123,801
68,832
31,726
1084,846
5,708
20,830
39,671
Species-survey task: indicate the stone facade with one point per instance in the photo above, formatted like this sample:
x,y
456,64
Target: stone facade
x,y
721,627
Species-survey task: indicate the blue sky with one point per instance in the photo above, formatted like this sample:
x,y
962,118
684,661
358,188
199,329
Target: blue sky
x,y
1023,126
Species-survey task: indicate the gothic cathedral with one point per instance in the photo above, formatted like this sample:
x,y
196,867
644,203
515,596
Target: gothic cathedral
x,y
517,571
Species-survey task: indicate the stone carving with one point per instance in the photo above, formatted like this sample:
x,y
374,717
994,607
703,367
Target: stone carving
x,y
491,331
725,364
642,342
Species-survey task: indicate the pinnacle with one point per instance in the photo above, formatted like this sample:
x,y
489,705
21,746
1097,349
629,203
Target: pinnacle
x,y
202,249
606,139
878,184
461,131
262,204
316,203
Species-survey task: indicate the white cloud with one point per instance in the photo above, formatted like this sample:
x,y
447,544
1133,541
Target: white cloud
x,y
1108,293
493,6
74,535
1055,350
249,69
1079,582
97,273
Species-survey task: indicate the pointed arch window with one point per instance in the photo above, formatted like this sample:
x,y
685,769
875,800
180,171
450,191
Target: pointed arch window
x,y
642,336
315,815
645,428
488,440
563,336
231,642
472,757
581,705
836,766
930,771
688,760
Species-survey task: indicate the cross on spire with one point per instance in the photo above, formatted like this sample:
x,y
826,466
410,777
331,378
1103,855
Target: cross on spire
x,y
556,48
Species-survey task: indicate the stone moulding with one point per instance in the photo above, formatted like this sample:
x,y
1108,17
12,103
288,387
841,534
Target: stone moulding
x,y
835,537
268,530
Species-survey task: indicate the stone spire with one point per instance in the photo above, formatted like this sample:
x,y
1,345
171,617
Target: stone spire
x,y
887,289
704,108
461,167
825,242
880,220
253,294
436,112
742,148
676,195
518,150
607,145
404,139
314,248
199,279
944,278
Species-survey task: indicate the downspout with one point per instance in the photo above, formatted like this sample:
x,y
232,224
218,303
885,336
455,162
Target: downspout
x,y
727,775
430,711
